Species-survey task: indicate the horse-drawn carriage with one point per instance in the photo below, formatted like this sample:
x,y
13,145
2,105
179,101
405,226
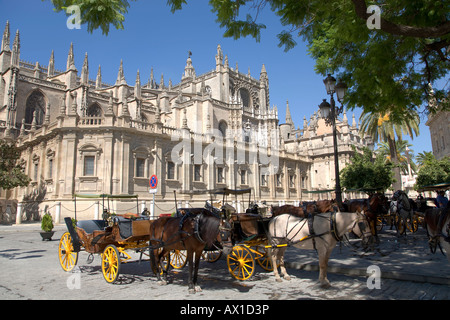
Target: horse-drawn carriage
x,y
110,237
241,236
245,237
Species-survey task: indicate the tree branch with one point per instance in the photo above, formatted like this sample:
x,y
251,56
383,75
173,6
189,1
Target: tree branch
x,y
403,30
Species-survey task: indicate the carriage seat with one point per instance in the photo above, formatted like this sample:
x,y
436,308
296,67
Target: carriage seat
x,y
248,223
89,226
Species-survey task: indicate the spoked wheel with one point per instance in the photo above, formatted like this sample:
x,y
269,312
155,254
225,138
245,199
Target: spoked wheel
x,y
67,257
264,260
400,226
241,263
380,224
211,256
412,225
165,261
111,263
178,258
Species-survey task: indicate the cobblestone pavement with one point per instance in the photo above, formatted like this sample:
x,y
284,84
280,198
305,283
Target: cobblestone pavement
x,y
31,270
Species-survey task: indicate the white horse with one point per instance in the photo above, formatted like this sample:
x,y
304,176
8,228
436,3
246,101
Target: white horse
x,y
321,233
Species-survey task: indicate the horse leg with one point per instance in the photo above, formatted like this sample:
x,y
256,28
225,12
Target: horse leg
x,y
273,256
324,255
197,257
280,257
160,263
190,259
153,263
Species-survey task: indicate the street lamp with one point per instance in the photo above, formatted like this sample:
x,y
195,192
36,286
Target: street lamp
x,y
329,113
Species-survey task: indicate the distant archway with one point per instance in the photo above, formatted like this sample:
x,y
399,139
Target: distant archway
x,y
35,103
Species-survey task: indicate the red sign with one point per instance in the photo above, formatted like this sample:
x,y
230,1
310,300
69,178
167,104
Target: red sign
x,y
153,182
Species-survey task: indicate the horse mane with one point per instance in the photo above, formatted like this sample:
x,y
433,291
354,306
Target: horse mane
x,y
208,226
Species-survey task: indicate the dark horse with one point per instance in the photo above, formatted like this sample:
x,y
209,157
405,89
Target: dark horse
x,y
192,232
307,208
376,204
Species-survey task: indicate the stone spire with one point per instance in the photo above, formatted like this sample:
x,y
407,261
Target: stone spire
x,y
161,83
62,108
189,71
120,76
6,39
263,74
219,57
288,115
51,65
70,59
98,80
15,57
85,71
151,81
137,86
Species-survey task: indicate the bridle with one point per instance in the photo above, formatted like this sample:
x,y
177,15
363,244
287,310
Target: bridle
x,y
361,223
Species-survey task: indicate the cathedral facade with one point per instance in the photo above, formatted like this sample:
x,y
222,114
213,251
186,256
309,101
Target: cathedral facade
x,y
83,136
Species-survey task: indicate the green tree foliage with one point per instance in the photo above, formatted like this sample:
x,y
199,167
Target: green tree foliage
x,y
11,173
367,173
424,157
97,13
433,172
386,127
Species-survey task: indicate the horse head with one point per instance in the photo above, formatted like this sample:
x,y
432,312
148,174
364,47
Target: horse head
x,y
378,203
208,225
361,228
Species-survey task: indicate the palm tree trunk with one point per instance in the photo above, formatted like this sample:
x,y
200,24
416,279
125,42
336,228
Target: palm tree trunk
x,y
397,185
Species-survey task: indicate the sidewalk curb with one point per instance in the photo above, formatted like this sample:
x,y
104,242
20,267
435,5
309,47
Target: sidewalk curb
x,y
395,275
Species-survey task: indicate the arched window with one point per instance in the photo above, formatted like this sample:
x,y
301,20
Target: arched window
x,y
35,103
94,111
94,114
223,128
245,97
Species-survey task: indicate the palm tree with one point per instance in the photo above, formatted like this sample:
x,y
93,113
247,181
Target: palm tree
x,y
385,127
424,157
403,155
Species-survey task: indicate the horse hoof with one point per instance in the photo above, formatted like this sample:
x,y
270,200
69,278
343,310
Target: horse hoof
x,y
287,278
198,289
278,280
325,285
162,282
192,291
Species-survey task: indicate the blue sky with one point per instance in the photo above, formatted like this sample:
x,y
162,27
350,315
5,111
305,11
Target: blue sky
x,y
156,38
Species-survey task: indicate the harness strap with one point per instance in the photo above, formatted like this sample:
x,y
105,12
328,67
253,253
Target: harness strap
x,y
311,229
333,227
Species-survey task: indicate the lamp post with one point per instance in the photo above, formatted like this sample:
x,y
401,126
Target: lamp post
x,y
329,113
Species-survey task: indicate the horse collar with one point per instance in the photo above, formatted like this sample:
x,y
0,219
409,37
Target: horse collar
x,y
333,226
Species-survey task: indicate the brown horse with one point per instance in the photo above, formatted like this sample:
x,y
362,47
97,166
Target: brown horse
x,y
372,207
437,222
192,232
307,208
289,209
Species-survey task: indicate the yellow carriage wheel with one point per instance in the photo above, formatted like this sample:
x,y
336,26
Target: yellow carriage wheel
x,y
379,223
211,256
264,260
178,258
111,263
414,225
67,257
241,263
400,225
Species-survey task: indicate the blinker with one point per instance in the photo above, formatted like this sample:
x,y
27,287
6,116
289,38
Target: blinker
x,y
362,226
